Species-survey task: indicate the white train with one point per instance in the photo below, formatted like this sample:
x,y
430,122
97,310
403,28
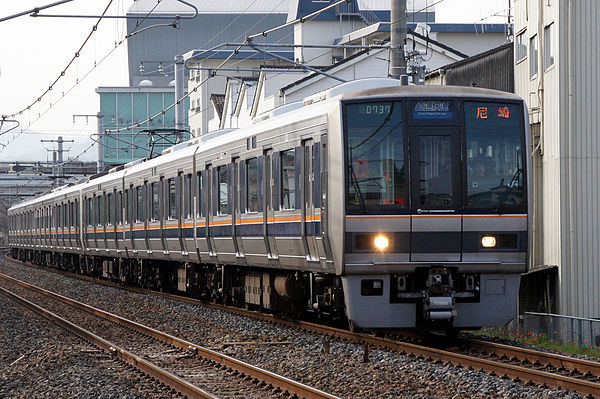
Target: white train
x,y
391,206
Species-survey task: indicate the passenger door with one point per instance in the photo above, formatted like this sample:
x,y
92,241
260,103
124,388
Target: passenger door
x,y
436,195
308,209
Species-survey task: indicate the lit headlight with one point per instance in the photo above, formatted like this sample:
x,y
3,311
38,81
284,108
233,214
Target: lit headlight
x,y
381,242
488,241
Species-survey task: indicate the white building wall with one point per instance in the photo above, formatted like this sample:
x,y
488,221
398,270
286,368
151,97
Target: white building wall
x,y
564,98
376,65
373,65
320,32
202,114
471,43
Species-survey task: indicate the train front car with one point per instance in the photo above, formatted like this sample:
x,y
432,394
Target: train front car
x,y
436,220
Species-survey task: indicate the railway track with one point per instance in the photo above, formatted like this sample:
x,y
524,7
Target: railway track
x,y
189,369
519,364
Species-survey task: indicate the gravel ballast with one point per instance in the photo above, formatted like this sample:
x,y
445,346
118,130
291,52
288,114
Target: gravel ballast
x,y
300,355
38,359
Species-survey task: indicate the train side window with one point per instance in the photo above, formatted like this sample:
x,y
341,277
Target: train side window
x,y
90,211
139,195
76,210
223,190
288,179
119,207
130,205
110,208
101,209
171,199
180,198
252,185
187,196
155,200
199,189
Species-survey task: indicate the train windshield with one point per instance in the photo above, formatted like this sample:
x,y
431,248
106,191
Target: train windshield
x,y
495,175
375,155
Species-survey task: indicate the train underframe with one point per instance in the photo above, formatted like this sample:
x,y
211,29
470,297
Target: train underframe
x,y
301,294
432,298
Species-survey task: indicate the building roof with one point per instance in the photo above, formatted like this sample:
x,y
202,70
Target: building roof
x,y
218,101
326,68
383,29
242,54
135,89
373,10
438,44
210,7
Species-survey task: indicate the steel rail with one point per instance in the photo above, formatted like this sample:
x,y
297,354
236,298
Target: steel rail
x,y
519,373
556,360
284,383
147,367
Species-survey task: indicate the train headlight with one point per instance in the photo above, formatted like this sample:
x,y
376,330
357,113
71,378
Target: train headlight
x,y
381,242
488,241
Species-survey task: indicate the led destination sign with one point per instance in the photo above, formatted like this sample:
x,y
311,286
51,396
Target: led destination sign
x,y
433,109
492,114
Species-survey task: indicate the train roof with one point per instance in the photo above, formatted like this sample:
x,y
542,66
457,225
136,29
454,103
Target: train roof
x,y
430,91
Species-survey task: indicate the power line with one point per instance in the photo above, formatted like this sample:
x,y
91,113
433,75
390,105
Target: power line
x,y
248,39
96,64
63,72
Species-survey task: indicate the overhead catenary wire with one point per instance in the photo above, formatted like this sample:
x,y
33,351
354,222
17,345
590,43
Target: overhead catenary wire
x,y
264,33
78,81
117,45
249,38
66,68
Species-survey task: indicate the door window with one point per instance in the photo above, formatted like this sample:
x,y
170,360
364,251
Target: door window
x,y
435,171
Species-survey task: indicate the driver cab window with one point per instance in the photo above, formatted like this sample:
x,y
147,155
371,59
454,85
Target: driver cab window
x,y
495,177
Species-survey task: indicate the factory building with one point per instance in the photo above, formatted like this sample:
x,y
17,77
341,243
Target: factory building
x,y
557,72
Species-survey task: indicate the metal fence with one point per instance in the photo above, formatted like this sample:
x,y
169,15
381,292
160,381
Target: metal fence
x,y
566,329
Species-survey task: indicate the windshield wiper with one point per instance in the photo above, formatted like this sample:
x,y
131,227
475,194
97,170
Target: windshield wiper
x,y
509,188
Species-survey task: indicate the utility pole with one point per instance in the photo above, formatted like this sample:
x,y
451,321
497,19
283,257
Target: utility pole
x,y
58,168
397,39
179,93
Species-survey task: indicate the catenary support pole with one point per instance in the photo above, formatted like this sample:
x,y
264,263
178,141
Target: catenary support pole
x,y
397,38
179,93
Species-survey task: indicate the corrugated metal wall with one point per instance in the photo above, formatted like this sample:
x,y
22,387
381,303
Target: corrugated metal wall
x,y
580,153
492,70
205,31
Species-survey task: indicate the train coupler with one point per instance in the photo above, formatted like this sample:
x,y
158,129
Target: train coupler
x,y
439,308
